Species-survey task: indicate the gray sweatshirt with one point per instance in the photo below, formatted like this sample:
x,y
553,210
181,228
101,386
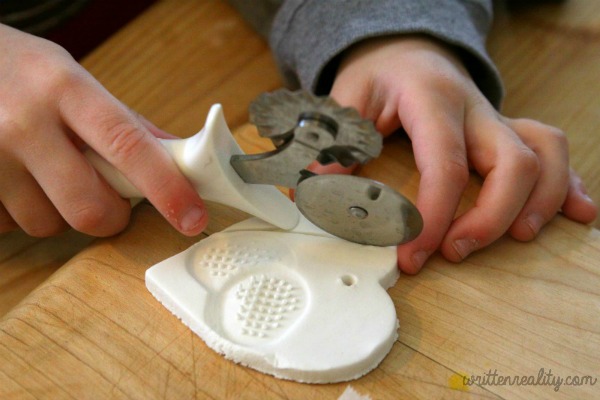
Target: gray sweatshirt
x,y
308,36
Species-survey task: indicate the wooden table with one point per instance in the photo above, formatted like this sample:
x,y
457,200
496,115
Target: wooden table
x,y
92,330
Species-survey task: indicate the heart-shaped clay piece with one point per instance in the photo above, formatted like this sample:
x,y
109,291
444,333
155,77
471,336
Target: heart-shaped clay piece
x,y
300,304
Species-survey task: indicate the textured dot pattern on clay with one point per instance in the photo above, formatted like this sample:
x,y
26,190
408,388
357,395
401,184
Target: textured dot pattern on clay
x,y
265,304
226,261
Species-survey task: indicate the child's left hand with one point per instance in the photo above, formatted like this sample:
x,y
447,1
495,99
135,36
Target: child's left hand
x,y
418,84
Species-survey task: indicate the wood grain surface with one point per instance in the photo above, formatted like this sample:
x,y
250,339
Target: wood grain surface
x,y
92,330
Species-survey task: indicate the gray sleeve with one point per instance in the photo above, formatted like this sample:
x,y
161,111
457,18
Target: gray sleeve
x,y
258,13
308,36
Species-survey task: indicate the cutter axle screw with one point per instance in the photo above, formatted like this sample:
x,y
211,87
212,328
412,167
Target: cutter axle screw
x,y
358,212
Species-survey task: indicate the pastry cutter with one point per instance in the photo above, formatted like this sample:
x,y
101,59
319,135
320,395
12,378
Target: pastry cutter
x,y
304,128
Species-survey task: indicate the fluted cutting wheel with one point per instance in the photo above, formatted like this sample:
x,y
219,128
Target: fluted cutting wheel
x,y
353,208
358,209
279,112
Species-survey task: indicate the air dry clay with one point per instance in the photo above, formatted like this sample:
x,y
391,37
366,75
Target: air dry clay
x,y
298,304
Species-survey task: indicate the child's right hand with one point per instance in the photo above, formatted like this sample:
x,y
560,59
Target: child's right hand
x,y
50,110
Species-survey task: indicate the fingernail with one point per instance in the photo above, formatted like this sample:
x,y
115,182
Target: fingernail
x,y
464,247
534,221
419,258
192,218
584,193
587,198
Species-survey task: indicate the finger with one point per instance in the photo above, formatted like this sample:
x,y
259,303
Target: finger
x,y
510,170
332,168
78,192
25,203
434,125
371,101
117,135
550,190
578,206
7,224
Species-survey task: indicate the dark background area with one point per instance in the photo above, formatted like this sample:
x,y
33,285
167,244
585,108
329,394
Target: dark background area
x,y
77,25
95,23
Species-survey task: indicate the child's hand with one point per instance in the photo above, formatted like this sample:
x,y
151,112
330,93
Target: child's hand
x,y
417,84
50,109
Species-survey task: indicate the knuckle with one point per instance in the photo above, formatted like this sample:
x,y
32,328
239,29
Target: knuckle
x,y
543,133
12,134
457,168
558,136
445,83
124,139
97,219
62,75
527,162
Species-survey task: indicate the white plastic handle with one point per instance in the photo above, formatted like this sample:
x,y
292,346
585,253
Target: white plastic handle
x,y
204,160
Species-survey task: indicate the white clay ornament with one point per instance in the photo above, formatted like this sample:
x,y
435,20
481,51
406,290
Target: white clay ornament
x,y
300,304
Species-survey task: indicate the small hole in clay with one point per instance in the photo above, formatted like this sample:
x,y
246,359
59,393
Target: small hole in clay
x,y
348,280
373,192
